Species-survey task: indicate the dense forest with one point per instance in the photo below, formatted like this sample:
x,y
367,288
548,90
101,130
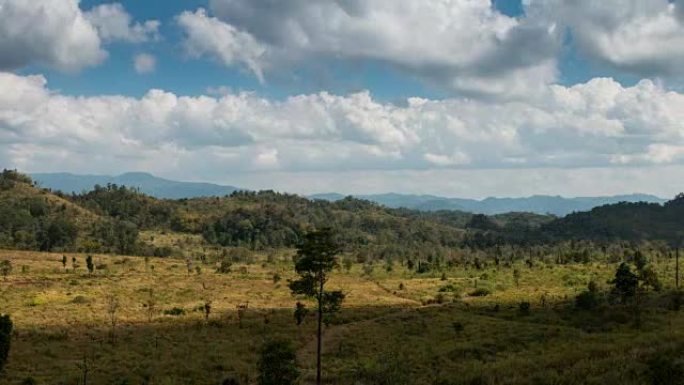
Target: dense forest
x,y
109,219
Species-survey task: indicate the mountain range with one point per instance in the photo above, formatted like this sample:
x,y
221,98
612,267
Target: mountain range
x,y
538,204
145,182
169,189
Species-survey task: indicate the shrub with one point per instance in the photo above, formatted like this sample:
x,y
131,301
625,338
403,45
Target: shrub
x,y
524,308
587,299
277,364
176,311
676,299
224,267
5,339
449,288
79,300
481,292
664,370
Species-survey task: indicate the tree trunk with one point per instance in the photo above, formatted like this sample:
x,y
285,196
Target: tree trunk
x,y
677,268
320,335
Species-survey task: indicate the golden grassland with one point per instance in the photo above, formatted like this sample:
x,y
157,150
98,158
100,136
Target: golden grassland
x,y
395,327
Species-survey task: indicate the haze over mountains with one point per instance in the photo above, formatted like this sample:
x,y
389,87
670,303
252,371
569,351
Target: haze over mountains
x,y
169,189
147,183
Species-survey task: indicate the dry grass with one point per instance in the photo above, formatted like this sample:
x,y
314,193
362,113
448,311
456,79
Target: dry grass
x,y
62,316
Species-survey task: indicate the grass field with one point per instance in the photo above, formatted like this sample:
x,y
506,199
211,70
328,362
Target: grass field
x,y
141,321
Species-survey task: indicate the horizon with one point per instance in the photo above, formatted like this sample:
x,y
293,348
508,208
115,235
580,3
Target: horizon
x,y
360,194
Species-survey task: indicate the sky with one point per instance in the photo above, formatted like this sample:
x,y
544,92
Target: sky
x,y
460,98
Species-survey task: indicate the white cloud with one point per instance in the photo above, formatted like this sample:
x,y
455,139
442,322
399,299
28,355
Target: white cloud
x,y
114,23
596,124
642,37
209,36
48,32
58,34
462,44
144,63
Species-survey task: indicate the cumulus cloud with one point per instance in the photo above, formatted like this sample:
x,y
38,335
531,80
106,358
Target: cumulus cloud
x,y
144,63
114,23
208,36
642,37
596,124
466,45
48,32
58,34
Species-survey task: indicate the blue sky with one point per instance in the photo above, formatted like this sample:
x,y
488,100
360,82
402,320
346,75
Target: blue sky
x,y
464,98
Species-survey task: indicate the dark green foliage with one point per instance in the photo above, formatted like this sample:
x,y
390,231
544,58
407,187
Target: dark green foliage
x,y
89,264
482,222
270,220
224,267
277,364
625,283
665,369
300,312
58,233
589,298
29,381
6,327
9,177
316,258
230,381
5,268
524,308
117,236
176,311
676,300
127,205
480,292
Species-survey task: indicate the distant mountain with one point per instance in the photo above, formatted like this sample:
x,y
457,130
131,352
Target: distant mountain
x,y
539,204
164,188
147,183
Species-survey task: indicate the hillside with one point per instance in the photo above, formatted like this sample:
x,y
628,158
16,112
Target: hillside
x,y
35,219
626,221
169,189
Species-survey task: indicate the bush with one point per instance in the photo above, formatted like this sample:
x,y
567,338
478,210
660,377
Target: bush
x,y
524,308
676,300
176,311
449,288
277,364
586,300
481,292
5,339
79,300
664,370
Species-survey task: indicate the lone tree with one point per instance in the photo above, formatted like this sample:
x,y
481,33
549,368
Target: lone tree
x,y
5,268
625,283
5,339
89,264
316,258
277,364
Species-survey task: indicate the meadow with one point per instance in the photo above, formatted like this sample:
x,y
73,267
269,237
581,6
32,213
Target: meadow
x,y
144,320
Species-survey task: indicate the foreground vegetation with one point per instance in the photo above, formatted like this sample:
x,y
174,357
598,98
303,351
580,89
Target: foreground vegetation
x,y
145,320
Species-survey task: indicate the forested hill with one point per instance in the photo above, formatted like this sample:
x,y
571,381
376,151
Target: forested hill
x,y
629,221
625,221
169,189
109,218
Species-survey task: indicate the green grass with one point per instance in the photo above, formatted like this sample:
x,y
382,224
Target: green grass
x,y
395,328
